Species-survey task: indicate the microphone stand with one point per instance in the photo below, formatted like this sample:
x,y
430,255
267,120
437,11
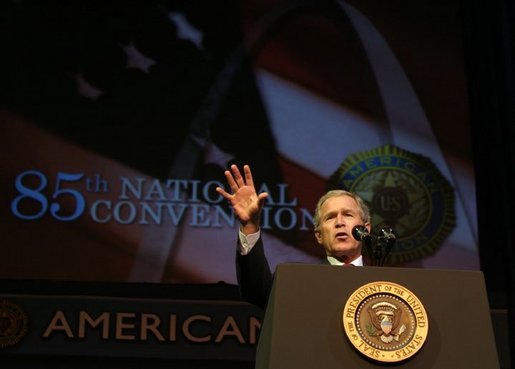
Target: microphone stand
x,y
387,241
368,242
379,251
377,248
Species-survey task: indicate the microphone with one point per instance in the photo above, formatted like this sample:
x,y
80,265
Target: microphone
x,y
387,239
360,233
387,232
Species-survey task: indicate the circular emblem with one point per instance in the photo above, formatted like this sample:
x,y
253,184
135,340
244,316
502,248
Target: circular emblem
x,y
404,191
13,323
385,322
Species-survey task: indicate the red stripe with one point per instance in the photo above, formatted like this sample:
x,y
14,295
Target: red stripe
x,y
306,187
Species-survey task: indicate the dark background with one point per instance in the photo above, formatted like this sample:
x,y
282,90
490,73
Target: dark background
x,y
490,41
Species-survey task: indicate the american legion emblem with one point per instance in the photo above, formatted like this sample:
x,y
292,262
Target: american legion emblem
x,y
13,323
385,322
404,191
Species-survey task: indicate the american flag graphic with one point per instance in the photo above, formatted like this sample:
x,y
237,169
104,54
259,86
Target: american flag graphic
x,y
160,91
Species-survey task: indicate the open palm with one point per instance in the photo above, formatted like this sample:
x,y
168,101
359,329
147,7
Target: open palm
x,y
246,203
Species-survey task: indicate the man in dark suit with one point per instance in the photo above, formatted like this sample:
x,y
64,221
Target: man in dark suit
x,y
336,214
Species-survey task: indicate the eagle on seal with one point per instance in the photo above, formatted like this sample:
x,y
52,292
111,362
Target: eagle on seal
x,y
386,319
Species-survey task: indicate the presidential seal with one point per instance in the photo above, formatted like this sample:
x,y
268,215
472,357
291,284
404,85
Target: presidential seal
x,y
13,323
404,191
385,322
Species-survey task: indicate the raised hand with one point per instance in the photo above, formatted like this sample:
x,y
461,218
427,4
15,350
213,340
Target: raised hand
x,y
246,203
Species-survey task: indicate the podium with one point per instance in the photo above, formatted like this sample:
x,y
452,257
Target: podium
x,y
303,326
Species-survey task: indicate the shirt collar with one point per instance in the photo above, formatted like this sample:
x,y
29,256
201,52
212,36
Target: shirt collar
x,y
355,262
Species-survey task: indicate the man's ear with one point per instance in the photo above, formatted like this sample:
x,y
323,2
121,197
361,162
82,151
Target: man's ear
x,y
318,236
368,226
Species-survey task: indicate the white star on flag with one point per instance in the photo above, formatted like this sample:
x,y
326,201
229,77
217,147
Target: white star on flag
x,y
135,59
185,31
86,89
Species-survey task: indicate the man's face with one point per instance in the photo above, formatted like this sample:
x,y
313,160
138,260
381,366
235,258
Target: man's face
x,y
338,216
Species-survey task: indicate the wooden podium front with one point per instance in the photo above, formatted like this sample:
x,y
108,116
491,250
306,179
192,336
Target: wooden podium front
x,y
303,325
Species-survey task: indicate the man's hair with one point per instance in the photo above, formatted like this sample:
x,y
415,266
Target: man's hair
x,y
364,212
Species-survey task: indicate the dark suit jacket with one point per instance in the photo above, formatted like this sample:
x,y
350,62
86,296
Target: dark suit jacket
x,y
254,275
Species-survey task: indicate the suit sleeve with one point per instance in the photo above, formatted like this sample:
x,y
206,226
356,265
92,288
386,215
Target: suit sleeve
x,y
254,275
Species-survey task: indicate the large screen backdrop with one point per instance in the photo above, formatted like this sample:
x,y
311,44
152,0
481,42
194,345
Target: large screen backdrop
x,y
118,121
